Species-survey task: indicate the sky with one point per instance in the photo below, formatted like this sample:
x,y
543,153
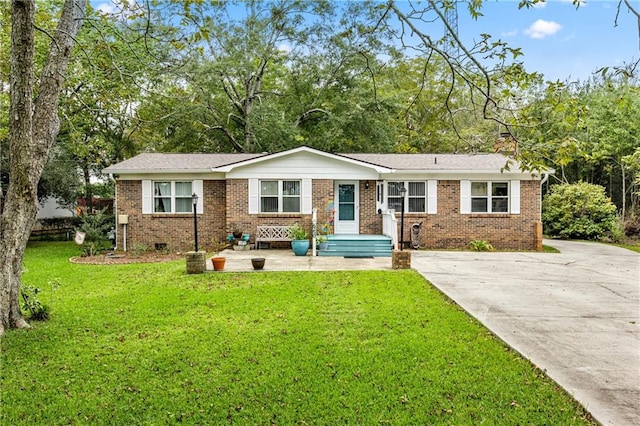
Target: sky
x,y
558,40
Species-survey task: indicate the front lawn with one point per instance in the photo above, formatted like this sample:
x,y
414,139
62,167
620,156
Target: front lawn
x,y
148,344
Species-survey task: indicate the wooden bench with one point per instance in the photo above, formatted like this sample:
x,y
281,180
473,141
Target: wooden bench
x,y
271,233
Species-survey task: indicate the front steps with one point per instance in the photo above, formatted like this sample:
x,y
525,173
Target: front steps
x,y
344,245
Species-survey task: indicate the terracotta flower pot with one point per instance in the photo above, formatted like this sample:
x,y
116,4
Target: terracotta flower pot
x,y
218,263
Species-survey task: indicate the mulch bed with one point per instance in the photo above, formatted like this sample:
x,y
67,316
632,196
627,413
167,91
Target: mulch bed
x,y
121,258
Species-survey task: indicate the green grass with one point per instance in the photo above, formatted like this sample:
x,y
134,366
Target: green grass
x,y
549,249
633,246
148,344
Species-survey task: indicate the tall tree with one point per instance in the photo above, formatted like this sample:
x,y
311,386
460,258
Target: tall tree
x,y
33,127
236,57
120,57
612,128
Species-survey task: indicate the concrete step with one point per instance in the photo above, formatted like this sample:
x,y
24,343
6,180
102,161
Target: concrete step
x,y
358,246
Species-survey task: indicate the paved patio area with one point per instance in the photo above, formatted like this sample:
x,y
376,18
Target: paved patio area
x,y
285,260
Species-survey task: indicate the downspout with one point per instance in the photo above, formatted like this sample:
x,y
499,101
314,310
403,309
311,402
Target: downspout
x,y
115,210
542,182
544,179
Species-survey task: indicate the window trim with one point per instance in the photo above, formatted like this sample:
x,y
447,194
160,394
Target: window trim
x,y
490,197
512,197
173,197
149,197
427,197
281,196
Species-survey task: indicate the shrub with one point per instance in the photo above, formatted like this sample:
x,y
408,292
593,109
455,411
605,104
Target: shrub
x,y
481,245
581,210
632,226
138,249
95,226
298,232
30,303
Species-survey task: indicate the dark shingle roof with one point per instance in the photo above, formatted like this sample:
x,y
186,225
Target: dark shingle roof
x,y
435,161
157,162
177,162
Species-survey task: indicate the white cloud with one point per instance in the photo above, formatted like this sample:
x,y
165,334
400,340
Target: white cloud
x,y
117,7
540,5
541,29
106,8
578,3
511,33
284,48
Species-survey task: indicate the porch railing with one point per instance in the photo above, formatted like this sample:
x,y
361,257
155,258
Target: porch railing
x,y
390,226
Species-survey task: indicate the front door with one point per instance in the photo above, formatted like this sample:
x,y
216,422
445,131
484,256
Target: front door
x,y
347,201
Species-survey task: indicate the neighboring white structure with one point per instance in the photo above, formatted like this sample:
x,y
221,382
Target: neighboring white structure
x,y
51,209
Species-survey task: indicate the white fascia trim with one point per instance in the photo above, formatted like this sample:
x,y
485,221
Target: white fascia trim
x,y
458,175
155,171
170,176
230,167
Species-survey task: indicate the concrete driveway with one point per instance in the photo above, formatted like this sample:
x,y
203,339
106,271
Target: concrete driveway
x,y
575,314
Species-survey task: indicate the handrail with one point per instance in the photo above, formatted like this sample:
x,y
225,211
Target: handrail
x,y
390,226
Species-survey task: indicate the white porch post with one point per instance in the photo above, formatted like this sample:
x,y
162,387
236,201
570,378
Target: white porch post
x,y
390,226
314,230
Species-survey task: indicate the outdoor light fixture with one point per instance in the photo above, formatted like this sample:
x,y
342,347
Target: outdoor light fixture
x,y
403,192
194,200
366,184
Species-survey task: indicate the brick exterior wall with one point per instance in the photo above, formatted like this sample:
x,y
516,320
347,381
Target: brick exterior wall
x,y
370,220
226,208
238,209
174,231
451,230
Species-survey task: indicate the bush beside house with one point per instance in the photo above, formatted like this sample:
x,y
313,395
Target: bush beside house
x,y
581,210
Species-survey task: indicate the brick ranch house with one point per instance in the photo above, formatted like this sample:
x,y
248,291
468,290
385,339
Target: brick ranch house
x,y
457,198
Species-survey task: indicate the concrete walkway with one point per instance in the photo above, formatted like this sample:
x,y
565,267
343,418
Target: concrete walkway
x,y
285,260
575,314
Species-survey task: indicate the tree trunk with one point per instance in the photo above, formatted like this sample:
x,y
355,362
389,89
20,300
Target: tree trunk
x,y
88,193
252,88
624,190
33,127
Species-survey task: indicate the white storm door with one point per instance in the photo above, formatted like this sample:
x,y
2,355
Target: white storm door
x,y
346,218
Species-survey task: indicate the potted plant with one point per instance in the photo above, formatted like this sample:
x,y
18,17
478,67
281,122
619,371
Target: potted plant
x,y
236,231
218,261
323,242
258,262
299,240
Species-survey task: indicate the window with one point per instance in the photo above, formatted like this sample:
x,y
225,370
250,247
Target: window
x,y
394,199
489,197
415,197
280,196
172,197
